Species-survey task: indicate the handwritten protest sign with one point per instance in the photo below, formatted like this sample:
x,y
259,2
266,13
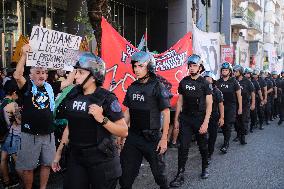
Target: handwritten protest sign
x,y
53,49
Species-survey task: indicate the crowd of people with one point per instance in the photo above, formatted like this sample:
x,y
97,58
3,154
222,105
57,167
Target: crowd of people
x,y
101,144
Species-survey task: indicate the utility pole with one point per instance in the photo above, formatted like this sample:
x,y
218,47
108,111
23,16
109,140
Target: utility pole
x,y
193,10
221,16
206,7
3,35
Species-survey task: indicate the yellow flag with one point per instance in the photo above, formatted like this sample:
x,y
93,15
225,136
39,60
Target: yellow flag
x,y
20,43
84,46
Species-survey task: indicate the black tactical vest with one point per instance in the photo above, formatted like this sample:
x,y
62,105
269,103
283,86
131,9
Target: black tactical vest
x,y
194,97
83,128
143,106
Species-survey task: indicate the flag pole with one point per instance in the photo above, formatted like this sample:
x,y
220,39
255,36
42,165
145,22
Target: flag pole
x,y
146,40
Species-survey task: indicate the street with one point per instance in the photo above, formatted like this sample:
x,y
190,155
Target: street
x,y
259,164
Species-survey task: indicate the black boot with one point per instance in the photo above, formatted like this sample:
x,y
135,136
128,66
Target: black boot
x,y
251,129
243,140
225,147
236,139
280,122
205,173
179,179
260,127
209,158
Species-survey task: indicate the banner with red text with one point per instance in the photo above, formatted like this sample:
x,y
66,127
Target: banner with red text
x,y
116,51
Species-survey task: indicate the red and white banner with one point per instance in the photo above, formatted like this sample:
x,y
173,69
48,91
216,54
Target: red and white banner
x,y
116,52
227,54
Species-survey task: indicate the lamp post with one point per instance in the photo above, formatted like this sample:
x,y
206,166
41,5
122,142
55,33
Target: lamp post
x,y
3,35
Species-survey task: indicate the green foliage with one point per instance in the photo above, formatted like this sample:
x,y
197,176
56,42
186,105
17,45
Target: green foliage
x,y
83,19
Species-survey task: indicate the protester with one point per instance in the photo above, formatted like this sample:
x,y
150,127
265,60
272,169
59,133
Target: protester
x,y
37,138
11,145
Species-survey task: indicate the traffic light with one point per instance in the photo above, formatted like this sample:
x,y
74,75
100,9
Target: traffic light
x,y
204,2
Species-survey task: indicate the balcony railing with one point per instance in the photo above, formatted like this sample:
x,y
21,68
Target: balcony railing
x,y
256,4
254,25
239,18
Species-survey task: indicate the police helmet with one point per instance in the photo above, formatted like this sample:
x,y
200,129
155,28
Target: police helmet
x,y
90,62
209,74
194,59
227,65
248,70
144,57
256,72
265,73
238,68
274,73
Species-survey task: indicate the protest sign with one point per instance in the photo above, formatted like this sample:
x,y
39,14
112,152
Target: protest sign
x,y
20,43
227,54
53,49
207,45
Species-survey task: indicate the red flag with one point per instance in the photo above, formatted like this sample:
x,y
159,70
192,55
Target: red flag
x,y
116,52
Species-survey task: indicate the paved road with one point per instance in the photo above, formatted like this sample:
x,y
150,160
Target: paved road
x,y
259,164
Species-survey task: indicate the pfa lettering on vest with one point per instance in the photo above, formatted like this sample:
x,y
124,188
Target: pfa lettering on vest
x,y
190,88
79,106
224,86
138,97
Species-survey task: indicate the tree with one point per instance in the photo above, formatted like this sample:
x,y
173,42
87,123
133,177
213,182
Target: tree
x,y
204,2
97,9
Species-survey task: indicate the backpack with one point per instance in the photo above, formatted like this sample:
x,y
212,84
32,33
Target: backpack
x,y
4,127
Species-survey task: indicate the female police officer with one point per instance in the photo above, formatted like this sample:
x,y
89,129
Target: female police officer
x,y
94,116
231,90
192,116
145,100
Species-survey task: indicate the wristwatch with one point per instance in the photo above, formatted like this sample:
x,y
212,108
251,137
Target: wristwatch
x,y
105,120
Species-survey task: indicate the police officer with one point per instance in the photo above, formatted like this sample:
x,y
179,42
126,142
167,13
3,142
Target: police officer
x,y
281,110
248,103
94,117
231,90
275,79
257,92
262,96
146,99
192,116
217,115
270,88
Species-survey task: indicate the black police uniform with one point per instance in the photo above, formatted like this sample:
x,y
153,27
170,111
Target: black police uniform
x,y
214,119
282,101
145,102
253,113
242,120
194,94
228,88
94,158
260,109
277,101
270,96
272,115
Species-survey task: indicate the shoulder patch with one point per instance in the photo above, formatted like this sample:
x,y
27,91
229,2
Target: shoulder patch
x,y
115,106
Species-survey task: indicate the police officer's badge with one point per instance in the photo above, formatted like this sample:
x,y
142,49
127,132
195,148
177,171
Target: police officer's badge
x,y
115,106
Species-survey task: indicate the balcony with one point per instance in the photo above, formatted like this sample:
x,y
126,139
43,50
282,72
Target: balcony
x,y
269,38
255,4
239,19
254,27
269,17
277,20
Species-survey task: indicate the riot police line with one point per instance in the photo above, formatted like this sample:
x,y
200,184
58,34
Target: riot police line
x,y
102,146
242,98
